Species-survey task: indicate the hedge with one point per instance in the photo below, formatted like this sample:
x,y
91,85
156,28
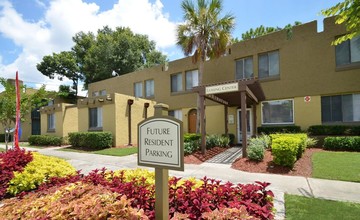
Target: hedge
x,y
188,137
279,129
334,130
342,143
45,140
91,140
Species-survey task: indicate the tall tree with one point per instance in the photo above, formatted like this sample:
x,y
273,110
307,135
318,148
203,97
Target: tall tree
x,y
204,35
118,50
28,102
348,13
61,65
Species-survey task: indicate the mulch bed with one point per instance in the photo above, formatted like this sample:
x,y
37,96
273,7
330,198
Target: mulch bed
x,y
198,157
302,167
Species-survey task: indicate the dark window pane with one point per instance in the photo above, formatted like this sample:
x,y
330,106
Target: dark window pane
x,y
240,69
263,66
336,108
93,117
326,109
248,68
342,52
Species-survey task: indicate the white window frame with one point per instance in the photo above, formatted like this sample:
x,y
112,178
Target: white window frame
x,y
138,85
177,114
243,69
178,76
194,79
51,122
280,123
268,64
152,88
99,118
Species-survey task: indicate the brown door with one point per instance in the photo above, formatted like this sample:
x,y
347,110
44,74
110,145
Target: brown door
x,y
192,121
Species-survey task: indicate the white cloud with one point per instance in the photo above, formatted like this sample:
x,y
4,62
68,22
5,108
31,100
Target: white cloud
x,y
64,18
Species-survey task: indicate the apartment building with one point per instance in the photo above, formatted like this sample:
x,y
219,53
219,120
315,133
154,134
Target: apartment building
x,y
292,77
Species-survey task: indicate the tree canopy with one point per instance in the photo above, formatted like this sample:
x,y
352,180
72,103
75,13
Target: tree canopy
x,y
204,35
95,56
347,13
28,102
262,30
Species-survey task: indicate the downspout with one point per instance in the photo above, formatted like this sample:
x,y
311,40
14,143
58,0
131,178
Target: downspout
x,y
129,102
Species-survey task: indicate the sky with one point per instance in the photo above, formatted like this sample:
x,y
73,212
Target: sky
x,y
32,29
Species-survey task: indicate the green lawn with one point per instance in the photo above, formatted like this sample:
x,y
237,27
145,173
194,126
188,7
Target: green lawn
x,y
336,166
299,207
109,151
1,149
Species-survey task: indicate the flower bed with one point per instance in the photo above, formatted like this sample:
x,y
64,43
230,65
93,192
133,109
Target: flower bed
x,y
135,195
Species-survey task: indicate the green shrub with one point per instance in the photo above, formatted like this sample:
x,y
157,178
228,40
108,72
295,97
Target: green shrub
x,y
91,140
302,138
266,140
285,150
191,147
45,140
38,171
311,142
191,137
212,141
342,143
231,137
224,141
334,130
279,129
256,149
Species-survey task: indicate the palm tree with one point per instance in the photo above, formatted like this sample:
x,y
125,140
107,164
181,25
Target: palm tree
x,y
204,35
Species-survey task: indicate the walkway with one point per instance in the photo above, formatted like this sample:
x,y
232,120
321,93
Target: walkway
x,y
280,184
227,157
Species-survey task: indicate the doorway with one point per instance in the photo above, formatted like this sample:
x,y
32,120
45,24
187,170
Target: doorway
x,y
249,124
35,122
192,121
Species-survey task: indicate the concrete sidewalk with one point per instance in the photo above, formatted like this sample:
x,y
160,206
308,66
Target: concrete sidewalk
x,y
280,184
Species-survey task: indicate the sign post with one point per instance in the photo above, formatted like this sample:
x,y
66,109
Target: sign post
x,y
160,140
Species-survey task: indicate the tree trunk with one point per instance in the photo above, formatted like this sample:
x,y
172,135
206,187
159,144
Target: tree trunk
x,y
200,120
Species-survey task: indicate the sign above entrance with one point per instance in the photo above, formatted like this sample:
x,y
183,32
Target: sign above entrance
x,y
231,87
161,143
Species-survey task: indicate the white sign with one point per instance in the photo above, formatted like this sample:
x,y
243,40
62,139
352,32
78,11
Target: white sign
x,y
231,87
161,143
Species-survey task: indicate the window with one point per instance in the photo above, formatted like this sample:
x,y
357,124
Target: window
x,y
176,114
269,64
103,92
95,117
51,102
192,79
340,108
278,112
348,52
244,68
149,88
94,94
176,82
138,89
51,121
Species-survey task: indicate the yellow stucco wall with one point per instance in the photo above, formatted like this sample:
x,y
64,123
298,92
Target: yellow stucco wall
x,y
306,65
70,119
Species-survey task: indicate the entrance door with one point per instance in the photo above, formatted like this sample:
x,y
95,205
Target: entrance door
x,y
192,121
35,122
249,124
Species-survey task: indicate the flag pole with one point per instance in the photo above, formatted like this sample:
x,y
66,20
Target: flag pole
x,y
17,120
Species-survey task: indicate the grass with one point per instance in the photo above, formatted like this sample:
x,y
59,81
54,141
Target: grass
x,y
299,207
1,149
108,151
336,166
